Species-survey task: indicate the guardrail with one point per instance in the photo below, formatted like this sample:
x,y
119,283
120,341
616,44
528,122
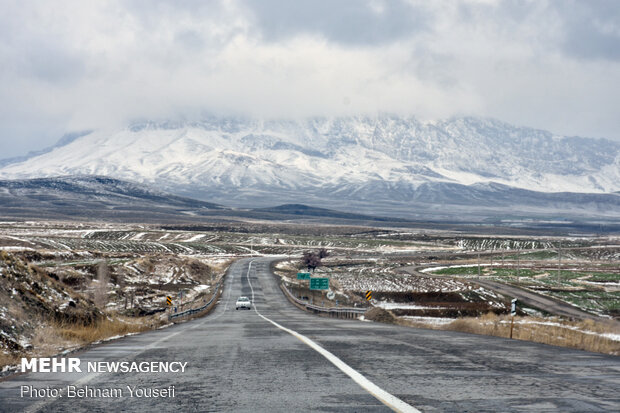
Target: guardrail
x,y
193,311
335,312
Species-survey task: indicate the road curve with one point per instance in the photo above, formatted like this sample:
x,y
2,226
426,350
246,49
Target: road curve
x,y
548,304
238,360
539,301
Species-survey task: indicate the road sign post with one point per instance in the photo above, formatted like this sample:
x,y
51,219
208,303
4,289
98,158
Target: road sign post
x,y
513,312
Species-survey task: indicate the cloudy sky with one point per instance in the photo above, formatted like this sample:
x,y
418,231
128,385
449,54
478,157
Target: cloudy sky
x,y
74,65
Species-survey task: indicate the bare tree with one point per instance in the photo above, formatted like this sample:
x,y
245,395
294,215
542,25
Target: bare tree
x,y
312,259
323,253
101,290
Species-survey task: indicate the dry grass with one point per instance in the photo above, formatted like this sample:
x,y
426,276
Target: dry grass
x,y
47,341
8,359
580,335
106,328
220,267
380,315
50,340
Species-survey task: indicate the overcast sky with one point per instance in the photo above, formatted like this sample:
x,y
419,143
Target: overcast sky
x,y
74,65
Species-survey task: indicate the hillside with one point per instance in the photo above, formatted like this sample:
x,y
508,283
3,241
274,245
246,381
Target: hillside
x,y
33,301
102,198
91,197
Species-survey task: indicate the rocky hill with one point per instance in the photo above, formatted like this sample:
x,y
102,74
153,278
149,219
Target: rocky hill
x,y
32,301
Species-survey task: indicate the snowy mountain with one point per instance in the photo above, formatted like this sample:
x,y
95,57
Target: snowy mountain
x,y
386,161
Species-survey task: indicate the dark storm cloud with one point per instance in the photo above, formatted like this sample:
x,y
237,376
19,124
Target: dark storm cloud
x,y
352,22
591,29
54,66
74,65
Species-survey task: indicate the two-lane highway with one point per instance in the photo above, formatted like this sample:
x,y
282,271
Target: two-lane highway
x,y
281,359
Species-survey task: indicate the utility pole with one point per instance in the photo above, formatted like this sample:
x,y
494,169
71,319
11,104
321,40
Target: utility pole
x,y
478,265
518,263
559,261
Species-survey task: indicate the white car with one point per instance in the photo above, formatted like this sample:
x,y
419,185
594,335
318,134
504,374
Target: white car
x,y
243,302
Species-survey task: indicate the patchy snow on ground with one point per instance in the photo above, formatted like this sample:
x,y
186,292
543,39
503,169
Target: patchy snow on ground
x,y
402,306
600,283
138,236
614,337
16,248
429,320
201,287
385,280
433,269
195,238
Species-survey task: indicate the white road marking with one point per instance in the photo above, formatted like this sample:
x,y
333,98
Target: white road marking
x,y
384,397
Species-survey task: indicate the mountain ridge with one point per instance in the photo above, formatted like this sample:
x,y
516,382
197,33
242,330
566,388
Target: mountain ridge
x,y
100,197
378,160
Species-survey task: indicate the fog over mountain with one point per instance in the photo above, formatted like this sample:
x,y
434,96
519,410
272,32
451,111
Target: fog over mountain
x,y
376,164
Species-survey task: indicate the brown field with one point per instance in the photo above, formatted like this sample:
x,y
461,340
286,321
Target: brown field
x,y
582,335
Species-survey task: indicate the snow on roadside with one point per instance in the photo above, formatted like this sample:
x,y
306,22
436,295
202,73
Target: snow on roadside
x,y
440,321
393,306
614,337
115,337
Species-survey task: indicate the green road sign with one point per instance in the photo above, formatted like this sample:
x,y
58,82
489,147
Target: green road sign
x,y
319,283
303,275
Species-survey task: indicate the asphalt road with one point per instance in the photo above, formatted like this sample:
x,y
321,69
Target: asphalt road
x,y
536,300
242,361
531,298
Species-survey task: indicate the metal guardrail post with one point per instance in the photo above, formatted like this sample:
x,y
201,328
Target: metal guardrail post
x,y
199,309
340,312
